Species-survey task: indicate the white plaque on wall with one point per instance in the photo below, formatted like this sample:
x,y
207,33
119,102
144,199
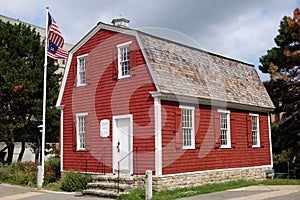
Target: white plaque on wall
x,y
104,128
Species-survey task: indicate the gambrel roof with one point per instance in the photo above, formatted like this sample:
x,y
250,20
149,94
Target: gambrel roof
x,y
190,74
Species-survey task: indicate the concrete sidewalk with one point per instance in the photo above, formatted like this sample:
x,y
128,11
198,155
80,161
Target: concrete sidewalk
x,y
13,192
260,192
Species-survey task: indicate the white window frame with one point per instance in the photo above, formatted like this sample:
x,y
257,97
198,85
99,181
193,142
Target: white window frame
x,y
120,71
79,79
192,128
228,132
257,131
79,147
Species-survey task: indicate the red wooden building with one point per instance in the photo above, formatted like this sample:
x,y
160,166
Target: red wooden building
x,y
131,102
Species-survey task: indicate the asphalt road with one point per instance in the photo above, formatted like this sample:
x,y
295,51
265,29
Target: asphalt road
x,y
261,192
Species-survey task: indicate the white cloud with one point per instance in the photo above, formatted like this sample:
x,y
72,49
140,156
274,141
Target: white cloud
x,y
243,30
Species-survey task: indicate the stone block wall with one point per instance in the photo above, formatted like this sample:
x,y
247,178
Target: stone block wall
x,y
187,180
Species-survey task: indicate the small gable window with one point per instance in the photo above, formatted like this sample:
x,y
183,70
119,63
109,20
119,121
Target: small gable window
x,y
225,128
124,60
81,70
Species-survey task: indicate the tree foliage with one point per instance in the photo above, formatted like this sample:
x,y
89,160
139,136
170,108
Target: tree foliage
x,y
21,86
282,63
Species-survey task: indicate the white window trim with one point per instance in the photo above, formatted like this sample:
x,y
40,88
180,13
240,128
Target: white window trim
x,y
193,127
228,128
78,148
119,59
78,76
258,130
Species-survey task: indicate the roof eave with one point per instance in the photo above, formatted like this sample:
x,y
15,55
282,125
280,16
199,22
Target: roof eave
x,y
210,102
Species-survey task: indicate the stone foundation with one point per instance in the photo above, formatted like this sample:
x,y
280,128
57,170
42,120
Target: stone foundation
x,y
191,179
187,180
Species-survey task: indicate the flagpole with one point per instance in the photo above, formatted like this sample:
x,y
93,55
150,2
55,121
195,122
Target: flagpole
x,y
40,182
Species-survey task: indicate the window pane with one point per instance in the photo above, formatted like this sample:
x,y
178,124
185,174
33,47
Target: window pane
x,y
187,126
224,128
81,131
82,70
125,60
254,130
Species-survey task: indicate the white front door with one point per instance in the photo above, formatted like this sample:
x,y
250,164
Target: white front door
x,y
122,144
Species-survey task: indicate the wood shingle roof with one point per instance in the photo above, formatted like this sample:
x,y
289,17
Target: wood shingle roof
x,y
187,71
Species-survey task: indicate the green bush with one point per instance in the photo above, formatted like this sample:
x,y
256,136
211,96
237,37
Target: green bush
x,y
52,170
75,181
19,173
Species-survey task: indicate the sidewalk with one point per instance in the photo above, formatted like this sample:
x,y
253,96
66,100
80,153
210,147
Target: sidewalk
x,y
13,192
260,192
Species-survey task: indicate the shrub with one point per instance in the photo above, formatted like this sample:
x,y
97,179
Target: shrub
x,y
4,172
19,173
52,170
75,181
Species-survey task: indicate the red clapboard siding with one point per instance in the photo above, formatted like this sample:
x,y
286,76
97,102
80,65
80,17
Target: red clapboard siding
x,y
208,157
104,97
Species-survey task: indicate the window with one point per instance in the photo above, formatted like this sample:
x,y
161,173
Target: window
x,y
81,70
225,129
81,131
124,60
187,123
255,130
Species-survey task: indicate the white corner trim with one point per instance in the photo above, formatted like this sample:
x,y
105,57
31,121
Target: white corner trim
x,y
64,80
158,137
61,138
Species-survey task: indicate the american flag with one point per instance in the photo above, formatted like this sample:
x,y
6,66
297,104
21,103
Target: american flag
x,y
55,40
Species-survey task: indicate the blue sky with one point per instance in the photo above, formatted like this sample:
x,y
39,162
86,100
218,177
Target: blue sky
x,y
238,29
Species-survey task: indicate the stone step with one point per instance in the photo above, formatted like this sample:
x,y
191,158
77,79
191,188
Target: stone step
x,y
101,193
108,186
114,179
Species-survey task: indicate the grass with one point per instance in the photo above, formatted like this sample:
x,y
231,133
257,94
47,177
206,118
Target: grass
x,y
139,194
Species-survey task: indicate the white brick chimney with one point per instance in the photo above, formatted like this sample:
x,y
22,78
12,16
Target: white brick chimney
x,y
120,22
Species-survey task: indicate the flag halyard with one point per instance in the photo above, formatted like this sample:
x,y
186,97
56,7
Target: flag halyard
x,y
55,40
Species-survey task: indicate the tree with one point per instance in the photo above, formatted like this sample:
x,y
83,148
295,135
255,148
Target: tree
x,y
282,63
21,87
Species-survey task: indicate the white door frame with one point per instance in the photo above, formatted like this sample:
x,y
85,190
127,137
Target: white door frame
x,y
115,140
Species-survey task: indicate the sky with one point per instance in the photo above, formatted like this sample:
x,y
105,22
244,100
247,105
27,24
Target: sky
x,y
240,29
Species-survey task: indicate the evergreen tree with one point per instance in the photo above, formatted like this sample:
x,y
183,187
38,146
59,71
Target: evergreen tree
x,y
282,62
21,87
